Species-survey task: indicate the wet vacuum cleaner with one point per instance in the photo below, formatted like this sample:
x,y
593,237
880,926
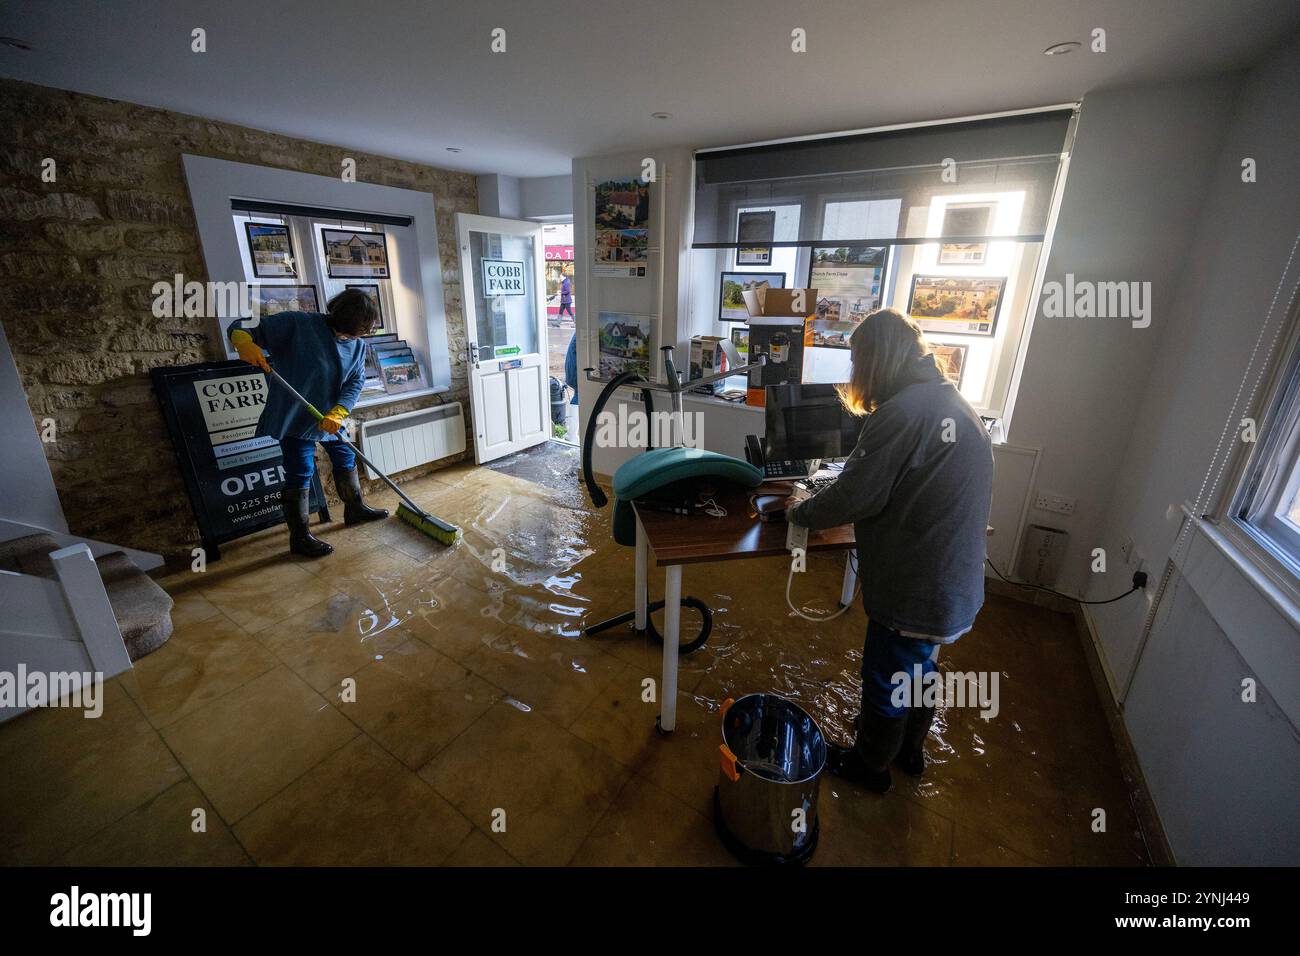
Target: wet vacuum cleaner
x,y
408,510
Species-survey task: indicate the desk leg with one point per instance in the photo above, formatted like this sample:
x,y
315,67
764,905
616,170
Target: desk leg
x,y
850,581
642,560
672,634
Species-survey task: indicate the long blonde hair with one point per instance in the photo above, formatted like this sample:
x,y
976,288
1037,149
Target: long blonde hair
x,y
885,348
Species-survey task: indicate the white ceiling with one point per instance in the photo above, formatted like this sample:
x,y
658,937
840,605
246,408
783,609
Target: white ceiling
x,y
408,78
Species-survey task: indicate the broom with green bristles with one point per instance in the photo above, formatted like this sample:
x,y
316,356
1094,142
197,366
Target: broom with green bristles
x,y
408,511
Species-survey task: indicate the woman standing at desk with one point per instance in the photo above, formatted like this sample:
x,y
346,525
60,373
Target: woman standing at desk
x,y
917,489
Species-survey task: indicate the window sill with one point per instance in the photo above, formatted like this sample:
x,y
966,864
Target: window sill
x,y
386,399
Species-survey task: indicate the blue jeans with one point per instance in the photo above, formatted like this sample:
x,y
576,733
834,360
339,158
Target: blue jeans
x,y
886,653
300,459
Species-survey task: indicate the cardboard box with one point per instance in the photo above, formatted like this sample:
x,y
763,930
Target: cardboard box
x,y
768,302
707,359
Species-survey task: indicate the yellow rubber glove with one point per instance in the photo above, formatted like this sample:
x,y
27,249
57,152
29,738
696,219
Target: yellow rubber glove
x,y
249,350
334,419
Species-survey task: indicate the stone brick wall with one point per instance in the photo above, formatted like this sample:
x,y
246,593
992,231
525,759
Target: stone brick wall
x,y
78,257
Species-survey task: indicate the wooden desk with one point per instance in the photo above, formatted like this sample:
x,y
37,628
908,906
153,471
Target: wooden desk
x,y
677,540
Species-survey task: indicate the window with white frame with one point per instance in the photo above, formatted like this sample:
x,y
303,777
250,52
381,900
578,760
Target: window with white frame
x,y
1266,506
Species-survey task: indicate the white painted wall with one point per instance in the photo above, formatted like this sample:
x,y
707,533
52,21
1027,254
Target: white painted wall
x,y
1136,183
536,197
1223,772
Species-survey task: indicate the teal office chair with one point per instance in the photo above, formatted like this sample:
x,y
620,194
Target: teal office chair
x,y
656,470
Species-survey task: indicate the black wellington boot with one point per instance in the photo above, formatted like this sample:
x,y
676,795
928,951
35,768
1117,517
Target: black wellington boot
x,y
867,763
348,485
911,756
297,510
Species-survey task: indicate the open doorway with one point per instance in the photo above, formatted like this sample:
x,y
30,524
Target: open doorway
x,y
561,305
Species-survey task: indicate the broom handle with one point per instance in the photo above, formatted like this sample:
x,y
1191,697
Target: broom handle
x,y
343,438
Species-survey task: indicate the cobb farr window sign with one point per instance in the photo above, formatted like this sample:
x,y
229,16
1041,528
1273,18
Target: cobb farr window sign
x,y
502,277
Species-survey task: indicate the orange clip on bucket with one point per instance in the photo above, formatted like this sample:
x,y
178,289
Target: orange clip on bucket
x,y
728,762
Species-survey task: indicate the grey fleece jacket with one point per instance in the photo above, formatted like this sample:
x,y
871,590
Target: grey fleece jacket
x,y
917,489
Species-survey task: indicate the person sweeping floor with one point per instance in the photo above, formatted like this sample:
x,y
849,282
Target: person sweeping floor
x,y
323,357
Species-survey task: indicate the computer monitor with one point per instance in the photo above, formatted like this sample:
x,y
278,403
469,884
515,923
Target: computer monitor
x,y
808,421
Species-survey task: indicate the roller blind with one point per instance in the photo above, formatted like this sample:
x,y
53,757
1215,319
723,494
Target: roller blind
x,y
1006,154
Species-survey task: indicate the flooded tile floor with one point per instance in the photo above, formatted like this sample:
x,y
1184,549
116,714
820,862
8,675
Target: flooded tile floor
x,y
385,704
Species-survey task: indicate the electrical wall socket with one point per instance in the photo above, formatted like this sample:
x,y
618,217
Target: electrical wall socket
x,y
1059,504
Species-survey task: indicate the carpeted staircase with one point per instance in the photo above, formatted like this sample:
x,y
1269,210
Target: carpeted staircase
x,y
142,608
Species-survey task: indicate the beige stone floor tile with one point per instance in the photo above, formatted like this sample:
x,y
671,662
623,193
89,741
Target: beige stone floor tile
x,y
245,747
359,807
646,826
202,661
334,639
64,777
415,701
972,848
190,607
552,786
685,762
162,833
556,676
619,720
859,828
477,850
273,592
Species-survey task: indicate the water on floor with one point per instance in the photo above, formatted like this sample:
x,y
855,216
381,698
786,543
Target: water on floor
x,y
404,702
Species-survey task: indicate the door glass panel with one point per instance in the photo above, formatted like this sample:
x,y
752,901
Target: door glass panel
x,y
505,288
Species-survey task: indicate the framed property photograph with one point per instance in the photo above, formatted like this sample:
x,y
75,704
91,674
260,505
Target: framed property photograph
x,y
753,231
731,302
624,343
965,219
400,372
355,255
956,306
371,289
849,280
951,360
271,250
287,298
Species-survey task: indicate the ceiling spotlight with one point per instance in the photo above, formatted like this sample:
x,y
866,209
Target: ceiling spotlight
x,y
453,149
661,115
1056,49
16,43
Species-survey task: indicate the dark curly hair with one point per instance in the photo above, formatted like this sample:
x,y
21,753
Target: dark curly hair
x,y
352,312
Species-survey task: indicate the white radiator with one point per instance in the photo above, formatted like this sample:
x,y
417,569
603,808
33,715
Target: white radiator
x,y
413,438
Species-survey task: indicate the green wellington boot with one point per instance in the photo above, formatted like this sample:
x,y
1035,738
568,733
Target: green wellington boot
x,y
295,503
355,511
867,762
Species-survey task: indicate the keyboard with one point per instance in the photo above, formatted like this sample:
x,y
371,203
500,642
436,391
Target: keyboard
x,y
787,469
821,482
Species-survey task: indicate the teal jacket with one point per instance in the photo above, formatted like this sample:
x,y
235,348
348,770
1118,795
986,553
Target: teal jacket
x,y
327,372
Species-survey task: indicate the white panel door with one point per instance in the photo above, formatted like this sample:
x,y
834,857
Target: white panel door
x,y
502,274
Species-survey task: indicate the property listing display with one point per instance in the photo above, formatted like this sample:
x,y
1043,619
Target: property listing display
x,y
965,219
270,249
951,360
355,254
849,281
734,285
391,366
624,344
956,305
234,477
622,236
754,234
287,298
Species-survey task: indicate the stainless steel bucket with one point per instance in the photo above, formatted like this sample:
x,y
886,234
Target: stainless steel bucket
x,y
772,757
